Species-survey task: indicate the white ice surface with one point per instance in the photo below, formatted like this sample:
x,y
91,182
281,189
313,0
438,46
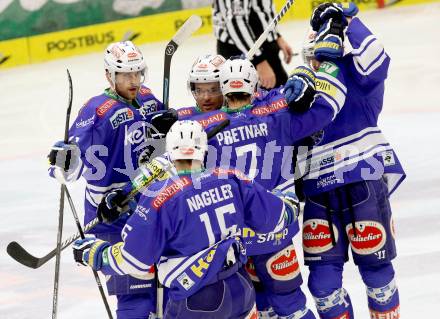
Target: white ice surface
x,y
32,110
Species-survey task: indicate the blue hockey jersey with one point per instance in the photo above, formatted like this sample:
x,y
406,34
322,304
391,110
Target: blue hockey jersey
x,y
352,147
260,141
191,228
113,137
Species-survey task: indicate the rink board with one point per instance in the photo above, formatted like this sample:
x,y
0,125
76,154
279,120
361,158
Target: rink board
x,y
146,29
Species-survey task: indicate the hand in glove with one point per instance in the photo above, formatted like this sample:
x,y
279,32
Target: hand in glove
x,y
89,251
112,206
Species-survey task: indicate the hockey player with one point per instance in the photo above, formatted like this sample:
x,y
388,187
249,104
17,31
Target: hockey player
x,y
259,140
191,228
107,141
351,171
204,84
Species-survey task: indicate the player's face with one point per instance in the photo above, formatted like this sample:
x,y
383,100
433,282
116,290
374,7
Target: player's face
x,y
128,84
208,96
314,64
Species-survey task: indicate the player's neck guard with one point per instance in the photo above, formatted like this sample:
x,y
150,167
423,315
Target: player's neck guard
x,y
228,110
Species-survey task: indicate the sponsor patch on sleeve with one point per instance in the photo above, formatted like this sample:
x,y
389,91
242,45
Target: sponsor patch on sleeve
x,y
329,68
104,107
170,191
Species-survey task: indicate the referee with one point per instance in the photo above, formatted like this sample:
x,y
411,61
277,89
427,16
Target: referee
x,y
238,24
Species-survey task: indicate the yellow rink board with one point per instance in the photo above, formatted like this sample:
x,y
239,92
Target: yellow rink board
x,y
151,28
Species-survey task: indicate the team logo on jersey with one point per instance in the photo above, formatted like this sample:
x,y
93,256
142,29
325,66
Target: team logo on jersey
x,y
144,91
219,117
273,107
236,84
184,112
388,158
284,264
121,116
317,237
104,107
370,237
185,281
170,191
250,269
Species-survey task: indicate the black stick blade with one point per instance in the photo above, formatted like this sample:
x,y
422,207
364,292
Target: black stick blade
x,y
19,254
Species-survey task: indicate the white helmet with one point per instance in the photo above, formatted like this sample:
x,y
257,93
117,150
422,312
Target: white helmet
x,y
308,49
123,57
238,76
186,140
206,69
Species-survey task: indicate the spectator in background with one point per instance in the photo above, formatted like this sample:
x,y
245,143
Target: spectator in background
x,y
238,24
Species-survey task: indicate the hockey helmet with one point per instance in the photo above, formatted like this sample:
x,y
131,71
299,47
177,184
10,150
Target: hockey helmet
x,y
186,140
123,57
238,76
308,49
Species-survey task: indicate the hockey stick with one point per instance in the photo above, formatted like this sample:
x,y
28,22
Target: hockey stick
x,y
191,25
81,233
269,28
61,208
19,254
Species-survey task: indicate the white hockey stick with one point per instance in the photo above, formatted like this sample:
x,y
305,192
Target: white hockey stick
x,y
190,26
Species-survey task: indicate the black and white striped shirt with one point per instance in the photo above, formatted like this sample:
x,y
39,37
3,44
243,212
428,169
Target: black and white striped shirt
x,y
240,22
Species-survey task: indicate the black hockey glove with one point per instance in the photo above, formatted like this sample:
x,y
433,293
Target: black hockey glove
x,y
325,12
163,120
299,89
111,206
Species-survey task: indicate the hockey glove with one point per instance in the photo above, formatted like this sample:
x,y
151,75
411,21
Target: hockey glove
x,y
299,89
162,122
327,11
64,156
90,251
291,205
111,206
329,40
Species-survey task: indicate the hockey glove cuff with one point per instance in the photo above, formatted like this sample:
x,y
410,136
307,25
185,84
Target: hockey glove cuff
x,y
299,89
329,40
112,206
90,251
